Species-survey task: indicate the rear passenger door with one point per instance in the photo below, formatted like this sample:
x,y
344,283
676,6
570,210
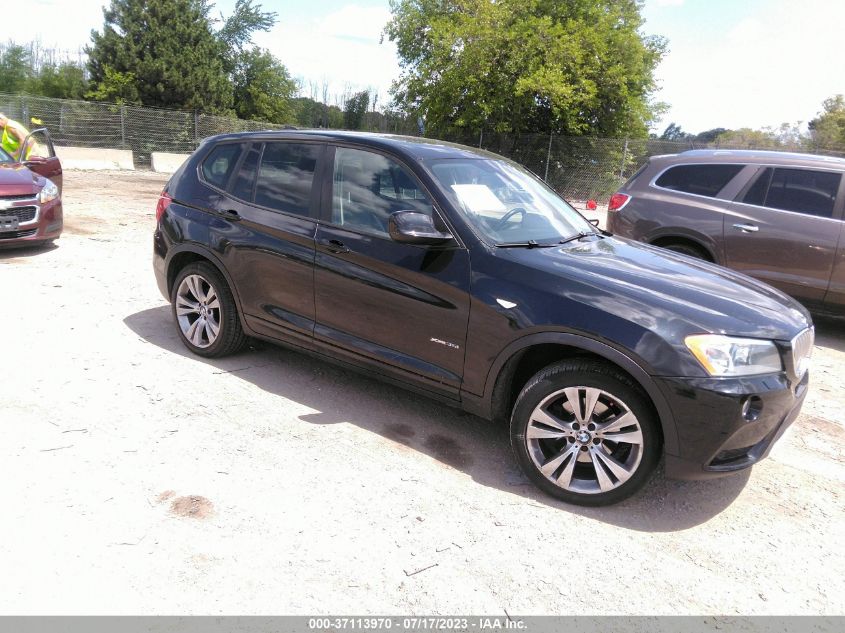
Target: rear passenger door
x,y
783,229
402,308
264,233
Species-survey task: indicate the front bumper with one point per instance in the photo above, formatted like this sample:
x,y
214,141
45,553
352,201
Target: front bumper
x,y
46,223
728,424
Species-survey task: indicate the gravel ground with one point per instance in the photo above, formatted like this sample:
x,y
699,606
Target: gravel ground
x,y
140,479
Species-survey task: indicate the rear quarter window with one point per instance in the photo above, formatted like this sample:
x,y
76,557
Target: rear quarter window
x,y
702,180
219,164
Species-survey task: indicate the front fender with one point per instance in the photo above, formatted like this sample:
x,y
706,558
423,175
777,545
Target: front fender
x,y
502,370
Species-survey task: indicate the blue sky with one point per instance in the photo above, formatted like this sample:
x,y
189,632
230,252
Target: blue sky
x,y
731,63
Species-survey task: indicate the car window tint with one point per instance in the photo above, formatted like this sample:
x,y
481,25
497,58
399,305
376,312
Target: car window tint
x,y
803,191
368,187
244,182
286,176
703,180
757,193
218,165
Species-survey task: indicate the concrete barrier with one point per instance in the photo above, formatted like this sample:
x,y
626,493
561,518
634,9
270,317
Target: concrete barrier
x,y
166,162
95,158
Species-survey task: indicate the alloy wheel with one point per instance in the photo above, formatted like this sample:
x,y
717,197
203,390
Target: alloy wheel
x,y
198,311
584,440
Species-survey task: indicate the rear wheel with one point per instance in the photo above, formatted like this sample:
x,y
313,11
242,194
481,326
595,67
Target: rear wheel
x,y
584,433
205,312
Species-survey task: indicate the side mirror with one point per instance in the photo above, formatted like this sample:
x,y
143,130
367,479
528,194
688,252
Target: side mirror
x,y
410,227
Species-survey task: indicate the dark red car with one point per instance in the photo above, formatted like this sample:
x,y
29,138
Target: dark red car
x,y
30,195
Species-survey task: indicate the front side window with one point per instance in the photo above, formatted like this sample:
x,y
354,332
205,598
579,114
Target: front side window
x,y
506,203
702,180
286,176
369,187
219,164
799,190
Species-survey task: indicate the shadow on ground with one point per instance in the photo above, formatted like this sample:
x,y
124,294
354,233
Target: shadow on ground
x,y
465,442
9,252
830,332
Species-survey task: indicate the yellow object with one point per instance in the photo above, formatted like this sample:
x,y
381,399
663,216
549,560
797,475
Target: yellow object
x,y
13,135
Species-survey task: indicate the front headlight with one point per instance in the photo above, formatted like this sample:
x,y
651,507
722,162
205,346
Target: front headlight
x,y
49,192
732,356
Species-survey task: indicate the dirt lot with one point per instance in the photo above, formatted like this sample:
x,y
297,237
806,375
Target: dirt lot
x,y
137,478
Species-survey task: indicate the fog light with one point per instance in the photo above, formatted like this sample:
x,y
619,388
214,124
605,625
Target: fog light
x,y
752,406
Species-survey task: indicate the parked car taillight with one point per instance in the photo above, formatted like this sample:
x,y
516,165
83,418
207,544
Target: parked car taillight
x,y
163,202
617,201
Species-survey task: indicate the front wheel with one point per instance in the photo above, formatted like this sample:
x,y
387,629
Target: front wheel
x,y
584,433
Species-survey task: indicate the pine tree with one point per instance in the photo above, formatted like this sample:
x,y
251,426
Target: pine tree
x,y
160,53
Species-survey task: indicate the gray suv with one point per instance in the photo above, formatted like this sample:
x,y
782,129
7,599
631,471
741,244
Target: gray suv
x,y
771,215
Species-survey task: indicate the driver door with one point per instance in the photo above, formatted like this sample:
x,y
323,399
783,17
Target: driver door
x,y
399,308
41,156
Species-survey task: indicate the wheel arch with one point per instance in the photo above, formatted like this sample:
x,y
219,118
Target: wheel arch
x,y
696,241
180,256
523,358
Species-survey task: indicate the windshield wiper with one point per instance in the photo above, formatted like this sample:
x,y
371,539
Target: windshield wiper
x,y
577,236
528,244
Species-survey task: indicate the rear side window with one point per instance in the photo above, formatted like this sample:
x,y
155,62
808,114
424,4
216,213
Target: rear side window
x,y
244,182
702,180
286,176
219,164
799,190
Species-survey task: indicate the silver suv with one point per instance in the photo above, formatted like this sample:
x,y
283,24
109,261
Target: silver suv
x,y
771,215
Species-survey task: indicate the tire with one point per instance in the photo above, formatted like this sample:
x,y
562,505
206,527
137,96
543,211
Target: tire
x,y
579,458
205,313
687,249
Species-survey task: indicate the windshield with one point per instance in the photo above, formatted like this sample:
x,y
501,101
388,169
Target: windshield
x,y
506,203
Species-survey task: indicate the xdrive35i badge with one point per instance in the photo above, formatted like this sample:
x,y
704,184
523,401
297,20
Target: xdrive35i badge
x,y
446,343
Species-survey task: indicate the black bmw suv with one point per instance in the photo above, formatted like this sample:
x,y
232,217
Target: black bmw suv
x,y
459,274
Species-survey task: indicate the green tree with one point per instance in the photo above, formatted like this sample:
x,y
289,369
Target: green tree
x,y
747,138
674,132
236,32
709,136
786,136
575,67
167,48
355,109
62,81
264,90
15,68
827,130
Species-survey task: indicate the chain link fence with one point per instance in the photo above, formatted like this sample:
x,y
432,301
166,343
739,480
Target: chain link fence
x,y
579,168
140,129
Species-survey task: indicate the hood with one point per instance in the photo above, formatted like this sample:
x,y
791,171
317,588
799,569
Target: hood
x,y
17,180
664,291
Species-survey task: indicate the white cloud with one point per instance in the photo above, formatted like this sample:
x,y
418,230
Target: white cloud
x,y
55,23
668,3
773,67
342,48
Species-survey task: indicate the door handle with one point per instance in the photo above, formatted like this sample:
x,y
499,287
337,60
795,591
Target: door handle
x,y
335,246
231,215
747,228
